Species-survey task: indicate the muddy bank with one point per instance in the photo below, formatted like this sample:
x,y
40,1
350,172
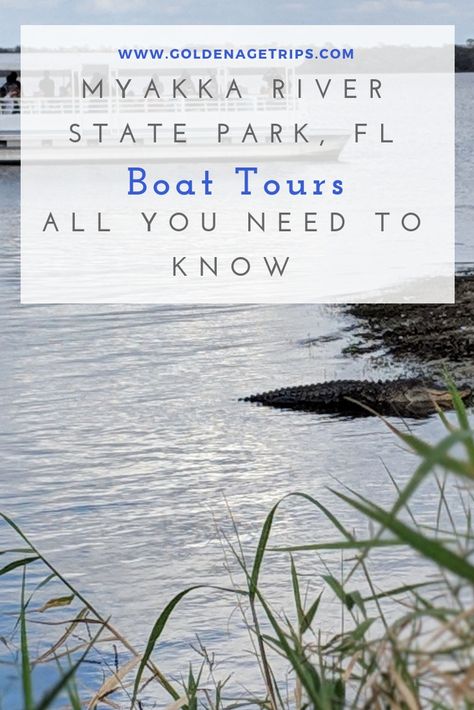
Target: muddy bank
x,y
427,338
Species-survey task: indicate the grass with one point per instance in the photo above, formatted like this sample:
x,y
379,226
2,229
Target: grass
x,y
405,647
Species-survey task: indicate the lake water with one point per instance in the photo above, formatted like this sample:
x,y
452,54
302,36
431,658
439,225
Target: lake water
x,y
124,441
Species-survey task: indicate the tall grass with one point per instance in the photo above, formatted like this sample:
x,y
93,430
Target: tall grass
x,y
410,646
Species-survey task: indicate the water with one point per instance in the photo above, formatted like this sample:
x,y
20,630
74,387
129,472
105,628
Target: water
x,y
464,167
124,441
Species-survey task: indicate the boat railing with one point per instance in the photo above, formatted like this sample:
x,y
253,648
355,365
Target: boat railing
x,y
114,104
9,105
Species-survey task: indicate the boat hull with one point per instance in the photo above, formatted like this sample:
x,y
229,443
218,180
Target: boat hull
x,y
324,146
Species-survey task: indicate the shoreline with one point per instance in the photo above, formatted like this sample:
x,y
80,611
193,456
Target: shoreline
x,y
432,338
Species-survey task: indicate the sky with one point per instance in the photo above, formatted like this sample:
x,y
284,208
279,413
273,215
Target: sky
x,y
340,12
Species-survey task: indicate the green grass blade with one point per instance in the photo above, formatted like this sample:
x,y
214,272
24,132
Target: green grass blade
x,y
396,591
159,626
310,614
17,563
259,555
156,633
322,695
25,657
462,417
71,688
338,590
296,593
50,696
432,456
425,546
162,679
341,545
266,529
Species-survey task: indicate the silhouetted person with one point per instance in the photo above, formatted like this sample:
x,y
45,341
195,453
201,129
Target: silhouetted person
x,y
12,83
46,85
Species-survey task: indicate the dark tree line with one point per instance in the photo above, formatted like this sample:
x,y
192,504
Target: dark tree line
x,y
465,56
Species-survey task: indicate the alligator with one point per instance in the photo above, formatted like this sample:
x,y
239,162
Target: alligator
x,y
403,397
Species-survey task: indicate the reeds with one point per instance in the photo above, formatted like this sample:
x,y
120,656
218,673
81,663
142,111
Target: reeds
x,y
408,646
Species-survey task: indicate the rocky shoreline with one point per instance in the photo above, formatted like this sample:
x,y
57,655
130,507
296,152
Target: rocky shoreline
x,y
429,339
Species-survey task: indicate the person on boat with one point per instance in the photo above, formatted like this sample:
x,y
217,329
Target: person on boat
x,y
9,101
46,85
10,93
12,83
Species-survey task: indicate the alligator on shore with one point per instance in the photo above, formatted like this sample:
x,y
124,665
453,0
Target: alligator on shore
x,y
404,397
